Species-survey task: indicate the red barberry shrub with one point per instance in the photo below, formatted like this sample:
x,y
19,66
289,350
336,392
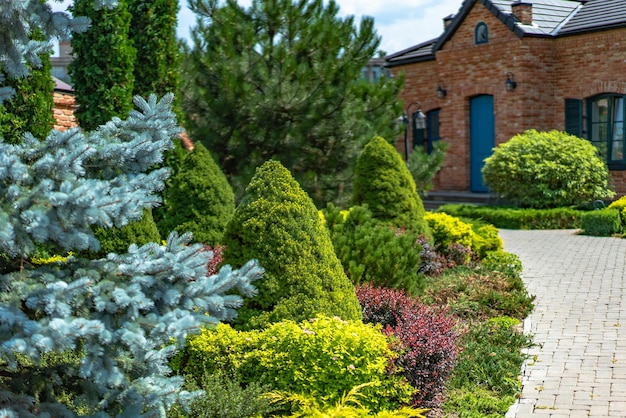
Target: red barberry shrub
x,y
428,340
215,258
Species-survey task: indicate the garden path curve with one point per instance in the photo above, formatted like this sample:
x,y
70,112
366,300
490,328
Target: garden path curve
x,y
578,368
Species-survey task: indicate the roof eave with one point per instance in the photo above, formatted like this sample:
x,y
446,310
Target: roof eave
x,y
412,60
589,30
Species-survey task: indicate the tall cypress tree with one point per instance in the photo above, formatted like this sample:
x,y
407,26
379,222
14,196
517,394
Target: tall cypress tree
x,y
153,34
102,69
30,110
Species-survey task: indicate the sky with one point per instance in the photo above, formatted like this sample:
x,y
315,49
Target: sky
x,y
400,23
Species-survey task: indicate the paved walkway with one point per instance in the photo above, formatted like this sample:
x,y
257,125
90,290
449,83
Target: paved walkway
x,y
578,368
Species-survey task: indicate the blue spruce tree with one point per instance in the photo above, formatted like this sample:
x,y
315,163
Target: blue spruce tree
x,y
93,337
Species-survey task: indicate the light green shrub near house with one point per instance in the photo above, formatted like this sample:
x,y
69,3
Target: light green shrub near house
x,y
547,170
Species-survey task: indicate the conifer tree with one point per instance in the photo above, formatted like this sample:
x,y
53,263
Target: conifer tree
x,y
102,69
277,223
31,109
383,182
282,79
153,34
199,199
93,336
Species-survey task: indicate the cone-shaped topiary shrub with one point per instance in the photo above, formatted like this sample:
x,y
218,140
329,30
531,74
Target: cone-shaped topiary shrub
x,y
278,224
199,199
547,170
117,240
383,182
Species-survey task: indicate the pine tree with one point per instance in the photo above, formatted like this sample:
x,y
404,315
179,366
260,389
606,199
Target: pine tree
x,y
383,182
102,69
281,80
277,223
199,199
93,335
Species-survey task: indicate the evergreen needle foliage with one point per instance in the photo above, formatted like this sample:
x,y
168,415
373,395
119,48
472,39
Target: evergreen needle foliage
x,y
383,183
282,79
93,337
199,199
424,166
278,224
31,109
102,70
152,32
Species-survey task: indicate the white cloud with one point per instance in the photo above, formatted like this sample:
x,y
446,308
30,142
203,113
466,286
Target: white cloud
x,y
400,23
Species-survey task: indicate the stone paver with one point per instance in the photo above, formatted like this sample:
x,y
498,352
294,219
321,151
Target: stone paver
x,y
578,367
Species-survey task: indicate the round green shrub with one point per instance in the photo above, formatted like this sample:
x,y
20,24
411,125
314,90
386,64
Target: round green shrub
x,y
373,252
547,170
324,357
199,199
278,224
383,182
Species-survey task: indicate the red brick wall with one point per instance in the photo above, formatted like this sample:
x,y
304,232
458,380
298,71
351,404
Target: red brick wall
x,y
64,104
546,71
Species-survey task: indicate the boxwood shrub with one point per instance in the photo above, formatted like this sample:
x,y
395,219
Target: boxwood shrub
x,y
516,218
605,222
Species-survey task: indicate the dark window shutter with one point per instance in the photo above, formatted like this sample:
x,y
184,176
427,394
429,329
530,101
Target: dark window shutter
x,y
574,117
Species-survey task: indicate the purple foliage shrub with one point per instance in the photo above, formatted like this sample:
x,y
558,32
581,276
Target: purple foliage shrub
x,y
427,339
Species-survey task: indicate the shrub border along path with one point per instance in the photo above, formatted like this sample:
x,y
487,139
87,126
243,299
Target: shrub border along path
x,y
578,366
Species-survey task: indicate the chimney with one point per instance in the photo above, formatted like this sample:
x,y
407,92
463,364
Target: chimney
x,y
523,11
446,21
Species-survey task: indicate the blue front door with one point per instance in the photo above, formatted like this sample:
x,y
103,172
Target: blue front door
x,y
482,138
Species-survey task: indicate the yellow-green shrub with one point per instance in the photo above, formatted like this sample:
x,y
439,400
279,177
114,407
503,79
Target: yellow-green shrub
x,y
620,205
323,357
486,240
447,229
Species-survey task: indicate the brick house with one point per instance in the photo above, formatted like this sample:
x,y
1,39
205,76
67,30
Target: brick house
x,y
501,67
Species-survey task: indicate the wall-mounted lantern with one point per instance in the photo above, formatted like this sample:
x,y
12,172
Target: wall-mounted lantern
x,y
441,90
510,82
418,124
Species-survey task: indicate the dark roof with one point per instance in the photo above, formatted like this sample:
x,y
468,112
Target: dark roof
x,y
551,18
417,53
596,15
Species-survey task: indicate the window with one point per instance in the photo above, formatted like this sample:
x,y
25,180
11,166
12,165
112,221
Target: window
x,y
432,131
481,33
606,127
